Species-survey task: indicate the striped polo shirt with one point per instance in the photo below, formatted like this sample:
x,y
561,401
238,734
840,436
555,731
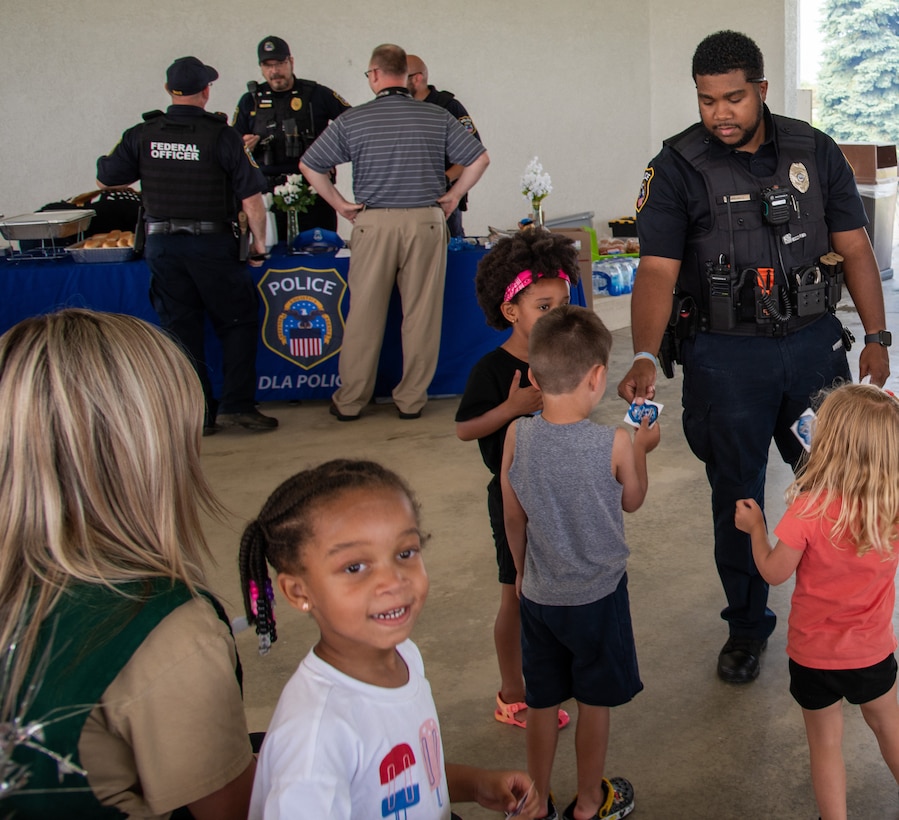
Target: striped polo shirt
x,y
398,146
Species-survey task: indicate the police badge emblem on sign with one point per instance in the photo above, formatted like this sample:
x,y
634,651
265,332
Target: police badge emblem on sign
x,y
303,322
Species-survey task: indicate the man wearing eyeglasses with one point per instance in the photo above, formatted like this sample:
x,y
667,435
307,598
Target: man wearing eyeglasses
x,y
398,148
417,83
280,118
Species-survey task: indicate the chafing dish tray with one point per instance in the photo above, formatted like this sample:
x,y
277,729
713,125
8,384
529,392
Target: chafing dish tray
x,y
46,224
81,254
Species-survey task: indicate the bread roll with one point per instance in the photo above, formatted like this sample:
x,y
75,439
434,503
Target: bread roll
x,y
124,242
93,243
110,243
114,234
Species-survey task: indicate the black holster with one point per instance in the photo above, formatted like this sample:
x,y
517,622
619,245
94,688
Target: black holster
x,y
682,324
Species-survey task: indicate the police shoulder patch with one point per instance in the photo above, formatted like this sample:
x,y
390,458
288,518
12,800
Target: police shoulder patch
x,y
341,99
468,124
643,196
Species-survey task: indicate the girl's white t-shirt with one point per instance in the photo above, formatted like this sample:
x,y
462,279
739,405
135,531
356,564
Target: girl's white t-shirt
x,y
340,748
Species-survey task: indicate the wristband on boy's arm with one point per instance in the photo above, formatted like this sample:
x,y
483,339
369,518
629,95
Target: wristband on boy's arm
x,y
644,355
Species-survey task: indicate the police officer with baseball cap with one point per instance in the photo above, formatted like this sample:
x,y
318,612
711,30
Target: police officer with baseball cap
x,y
280,118
194,169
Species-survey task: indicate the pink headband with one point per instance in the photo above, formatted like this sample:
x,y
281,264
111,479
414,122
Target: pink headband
x,y
525,279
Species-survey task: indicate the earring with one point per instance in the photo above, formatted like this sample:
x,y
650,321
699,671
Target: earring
x,y
305,606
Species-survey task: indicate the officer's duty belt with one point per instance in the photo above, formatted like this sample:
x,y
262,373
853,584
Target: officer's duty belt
x,y
191,227
770,329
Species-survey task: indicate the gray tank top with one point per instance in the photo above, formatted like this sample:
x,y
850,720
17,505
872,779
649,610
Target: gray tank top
x,y
562,475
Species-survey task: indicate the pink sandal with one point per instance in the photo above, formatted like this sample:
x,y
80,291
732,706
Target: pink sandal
x,y
507,713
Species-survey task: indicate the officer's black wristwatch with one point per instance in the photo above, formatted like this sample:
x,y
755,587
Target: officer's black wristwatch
x,y
882,337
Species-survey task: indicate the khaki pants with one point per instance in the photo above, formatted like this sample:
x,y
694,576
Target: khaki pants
x,y
406,246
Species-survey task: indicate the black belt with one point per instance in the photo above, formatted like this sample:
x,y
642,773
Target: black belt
x,y
191,227
769,330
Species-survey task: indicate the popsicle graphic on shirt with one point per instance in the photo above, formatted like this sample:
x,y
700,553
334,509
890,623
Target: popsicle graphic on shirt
x,y
396,771
429,737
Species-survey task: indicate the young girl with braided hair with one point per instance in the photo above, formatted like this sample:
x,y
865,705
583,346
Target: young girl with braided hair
x,y
523,277
355,732
840,535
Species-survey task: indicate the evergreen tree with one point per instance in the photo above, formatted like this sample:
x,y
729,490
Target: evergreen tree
x,y
858,84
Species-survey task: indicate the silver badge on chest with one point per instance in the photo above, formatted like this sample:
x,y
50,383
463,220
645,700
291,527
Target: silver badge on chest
x,y
799,177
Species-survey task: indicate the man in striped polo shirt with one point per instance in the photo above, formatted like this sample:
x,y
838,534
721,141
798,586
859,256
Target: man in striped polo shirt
x,y
398,147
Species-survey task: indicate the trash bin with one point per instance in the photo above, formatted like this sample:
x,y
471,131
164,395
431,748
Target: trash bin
x,y
876,176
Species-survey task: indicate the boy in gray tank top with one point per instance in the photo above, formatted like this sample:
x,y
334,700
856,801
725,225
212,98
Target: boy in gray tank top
x,y
570,553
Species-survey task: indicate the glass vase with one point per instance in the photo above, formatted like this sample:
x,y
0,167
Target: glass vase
x,y
537,216
293,228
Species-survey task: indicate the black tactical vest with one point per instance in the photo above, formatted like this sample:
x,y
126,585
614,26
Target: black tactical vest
x,y
287,118
180,177
739,230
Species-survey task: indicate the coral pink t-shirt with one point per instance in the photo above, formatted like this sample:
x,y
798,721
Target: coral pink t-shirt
x,y
842,609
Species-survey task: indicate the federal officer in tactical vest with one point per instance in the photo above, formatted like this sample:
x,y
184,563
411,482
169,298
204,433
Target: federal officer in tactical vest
x,y
280,118
194,169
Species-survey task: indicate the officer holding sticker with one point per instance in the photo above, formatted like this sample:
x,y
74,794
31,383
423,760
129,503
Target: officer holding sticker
x,y
280,118
754,222
193,169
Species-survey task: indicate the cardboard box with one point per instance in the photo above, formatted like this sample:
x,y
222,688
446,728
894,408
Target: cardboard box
x,y
870,163
581,240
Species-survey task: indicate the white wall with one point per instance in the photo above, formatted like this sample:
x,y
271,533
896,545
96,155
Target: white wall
x,y
590,87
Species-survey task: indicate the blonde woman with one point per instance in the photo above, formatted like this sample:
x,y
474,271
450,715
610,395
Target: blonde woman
x,y
839,536
101,578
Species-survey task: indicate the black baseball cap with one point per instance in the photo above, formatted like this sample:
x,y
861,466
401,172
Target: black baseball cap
x,y
188,76
273,48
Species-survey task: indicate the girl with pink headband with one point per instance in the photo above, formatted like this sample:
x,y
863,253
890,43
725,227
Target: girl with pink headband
x,y
524,276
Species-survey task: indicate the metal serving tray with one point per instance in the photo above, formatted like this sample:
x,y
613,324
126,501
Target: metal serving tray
x,y
47,224
92,255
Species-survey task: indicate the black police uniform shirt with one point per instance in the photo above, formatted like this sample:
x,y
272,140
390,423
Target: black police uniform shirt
x,y
122,166
326,105
446,100
675,198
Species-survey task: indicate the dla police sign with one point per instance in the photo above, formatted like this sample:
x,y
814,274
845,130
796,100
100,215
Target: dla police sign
x,y
303,322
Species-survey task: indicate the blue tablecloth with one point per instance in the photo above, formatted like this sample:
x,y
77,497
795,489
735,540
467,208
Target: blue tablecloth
x,y
303,301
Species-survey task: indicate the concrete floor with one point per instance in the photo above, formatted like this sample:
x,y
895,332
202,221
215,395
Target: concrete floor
x,y
693,746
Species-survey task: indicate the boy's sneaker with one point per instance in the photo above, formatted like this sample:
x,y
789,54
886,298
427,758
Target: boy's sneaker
x,y
618,802
551,813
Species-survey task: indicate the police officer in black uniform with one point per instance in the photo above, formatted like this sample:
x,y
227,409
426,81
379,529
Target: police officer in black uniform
x,y
280,119
754,221
417,83
193,169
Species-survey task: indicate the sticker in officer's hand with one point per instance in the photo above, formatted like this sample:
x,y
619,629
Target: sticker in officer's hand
x,y
804,427
637,412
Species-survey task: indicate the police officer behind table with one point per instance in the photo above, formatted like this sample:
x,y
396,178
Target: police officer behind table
x,y
417,83
280,119
193,168
741,213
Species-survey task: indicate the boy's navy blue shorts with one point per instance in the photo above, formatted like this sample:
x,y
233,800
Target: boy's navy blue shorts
x,y
584,652
819,688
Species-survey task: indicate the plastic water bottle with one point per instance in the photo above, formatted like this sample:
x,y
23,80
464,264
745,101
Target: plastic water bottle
x,y
618,284
600,279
